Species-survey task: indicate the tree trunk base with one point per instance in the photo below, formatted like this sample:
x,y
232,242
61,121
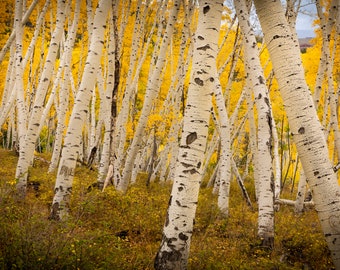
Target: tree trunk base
x,y
267,242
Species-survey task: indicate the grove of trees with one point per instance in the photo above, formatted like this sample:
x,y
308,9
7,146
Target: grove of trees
x,y
184,92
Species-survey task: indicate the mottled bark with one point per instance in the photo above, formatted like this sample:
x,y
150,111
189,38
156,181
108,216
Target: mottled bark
x,y
174,250
264,128
22,22
305,127
28,147
153,87
73,138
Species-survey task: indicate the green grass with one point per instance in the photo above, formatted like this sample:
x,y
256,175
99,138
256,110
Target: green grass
x,y
90,239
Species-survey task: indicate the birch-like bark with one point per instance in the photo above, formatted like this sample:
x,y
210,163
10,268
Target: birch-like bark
x,y
122,117
19,82
333,104
151,93
276,157
174,250
326,25
62,109
174,96
64,91
264,130
9,93
301,192
105,108
37,31
73,138
115,66
27,149
225,152
305,127
108,108
327,59
252,137
12,37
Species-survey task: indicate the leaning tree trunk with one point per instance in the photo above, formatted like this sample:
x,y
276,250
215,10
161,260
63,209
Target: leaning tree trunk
x,y
174,250
326,26
224,167
63,186
27,149
14,34
152,91
305,127
19,82
264,139
64,91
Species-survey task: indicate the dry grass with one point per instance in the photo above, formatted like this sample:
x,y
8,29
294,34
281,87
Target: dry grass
x,y
111,231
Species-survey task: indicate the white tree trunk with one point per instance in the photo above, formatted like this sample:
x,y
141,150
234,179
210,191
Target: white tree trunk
x,y
19,86
27,149
37,30
9,93
64,91
224,168
63,186
326,25
264,132
23,21
305,127
276,157
301,192
62,109
108,103
177,231
122,118
151,93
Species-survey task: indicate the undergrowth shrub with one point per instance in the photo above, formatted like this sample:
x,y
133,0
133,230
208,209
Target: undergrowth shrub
x,y
109,230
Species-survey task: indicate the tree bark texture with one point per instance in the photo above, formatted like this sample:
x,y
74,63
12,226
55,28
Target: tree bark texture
x,y
305,127
174,250
73,138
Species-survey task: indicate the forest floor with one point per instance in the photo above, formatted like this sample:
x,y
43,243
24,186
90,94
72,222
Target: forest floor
x,y
109,230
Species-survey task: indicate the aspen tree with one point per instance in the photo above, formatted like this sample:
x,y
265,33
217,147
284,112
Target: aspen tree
x,y
28,147
305,127
301,192
264,129
37,30
119,140
108,107
326,69
19,83
277,167
326,25
177,231
173,100
225,152
9,92
64,92
152,90
62,109
70,151
22,22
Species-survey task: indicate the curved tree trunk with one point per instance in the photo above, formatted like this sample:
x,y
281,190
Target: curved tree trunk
x,y
20,96
64,91
153,87
27,149
264,130
22,22
174,250
305,127
63,186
